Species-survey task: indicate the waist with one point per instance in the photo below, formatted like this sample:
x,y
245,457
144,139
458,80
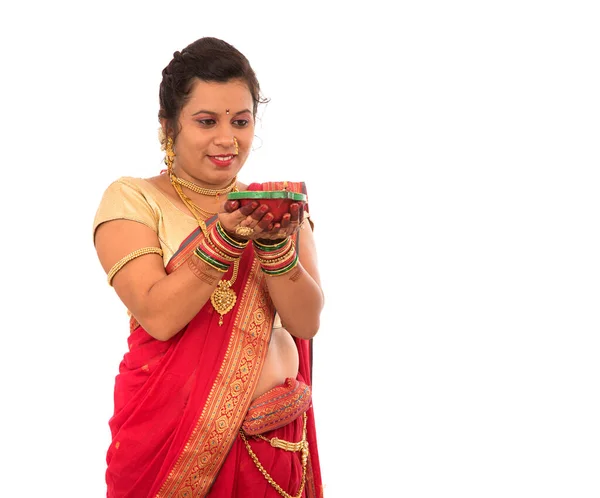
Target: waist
x,y
281,362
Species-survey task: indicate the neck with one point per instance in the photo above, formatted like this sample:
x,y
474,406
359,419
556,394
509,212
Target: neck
x,y
203,184
206,191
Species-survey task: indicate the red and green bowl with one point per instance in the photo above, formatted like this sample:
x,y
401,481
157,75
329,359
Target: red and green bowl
x,y
279,201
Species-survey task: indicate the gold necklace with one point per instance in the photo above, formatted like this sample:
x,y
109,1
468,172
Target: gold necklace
x,y
200,214
223,297
205,191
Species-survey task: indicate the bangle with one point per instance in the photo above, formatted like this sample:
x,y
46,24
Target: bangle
x,y
218,249
285,269
277,259
211,260
221,253
130,257
271,247
236,245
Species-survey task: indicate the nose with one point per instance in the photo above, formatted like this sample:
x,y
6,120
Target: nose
x,y
225,140
224,136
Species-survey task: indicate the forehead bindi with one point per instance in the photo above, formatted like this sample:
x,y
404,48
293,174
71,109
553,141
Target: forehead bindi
x,y
217,97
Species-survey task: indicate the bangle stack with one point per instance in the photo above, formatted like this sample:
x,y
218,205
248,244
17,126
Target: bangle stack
x,y
219,250
276,259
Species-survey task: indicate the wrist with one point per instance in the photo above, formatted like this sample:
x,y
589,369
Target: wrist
x,y
268,242
234,236
218,250
278,258
231,240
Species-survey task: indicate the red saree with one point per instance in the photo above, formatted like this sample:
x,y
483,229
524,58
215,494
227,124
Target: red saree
x,y
179,404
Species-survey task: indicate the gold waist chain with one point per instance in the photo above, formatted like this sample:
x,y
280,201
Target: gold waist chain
x,y
287,446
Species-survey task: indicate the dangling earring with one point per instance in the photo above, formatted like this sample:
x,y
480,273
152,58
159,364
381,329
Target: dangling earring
x,y
169,155
261,143
237,146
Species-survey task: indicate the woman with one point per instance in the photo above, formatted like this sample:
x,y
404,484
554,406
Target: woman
x,y
213,397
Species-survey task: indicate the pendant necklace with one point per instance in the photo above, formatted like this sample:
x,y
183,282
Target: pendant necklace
x,y
223,297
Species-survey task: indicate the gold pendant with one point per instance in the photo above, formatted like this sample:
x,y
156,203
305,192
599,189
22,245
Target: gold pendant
x,y
223,299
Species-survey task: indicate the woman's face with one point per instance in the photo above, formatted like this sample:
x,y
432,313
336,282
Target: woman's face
x,y
214,114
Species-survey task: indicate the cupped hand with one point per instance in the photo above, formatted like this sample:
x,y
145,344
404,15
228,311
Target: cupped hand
x,y
258,217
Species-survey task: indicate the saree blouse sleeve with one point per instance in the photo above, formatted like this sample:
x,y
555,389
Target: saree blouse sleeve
x,y
125,200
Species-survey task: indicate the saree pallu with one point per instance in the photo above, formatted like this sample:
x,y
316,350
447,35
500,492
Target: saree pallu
x,y
179,403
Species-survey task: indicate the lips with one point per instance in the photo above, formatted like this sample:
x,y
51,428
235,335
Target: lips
x,y
222,160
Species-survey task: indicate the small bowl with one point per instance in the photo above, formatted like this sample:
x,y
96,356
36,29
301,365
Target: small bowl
x,y
278,201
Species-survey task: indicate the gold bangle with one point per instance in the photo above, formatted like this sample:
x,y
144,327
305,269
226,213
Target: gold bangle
x,y
269,247
131,256
220,252
265,261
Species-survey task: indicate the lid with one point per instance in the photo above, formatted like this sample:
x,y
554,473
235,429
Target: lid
x,y
268,194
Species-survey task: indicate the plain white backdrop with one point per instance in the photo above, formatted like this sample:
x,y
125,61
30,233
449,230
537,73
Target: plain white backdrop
x,y
451,152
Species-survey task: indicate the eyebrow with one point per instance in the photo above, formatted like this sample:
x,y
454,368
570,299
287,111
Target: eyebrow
x,y
213,113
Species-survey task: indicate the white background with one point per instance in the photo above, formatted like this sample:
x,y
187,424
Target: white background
x,y
451,155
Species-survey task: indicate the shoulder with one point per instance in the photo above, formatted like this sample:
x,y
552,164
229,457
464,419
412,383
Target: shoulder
x,y
127,198
129,182
129,187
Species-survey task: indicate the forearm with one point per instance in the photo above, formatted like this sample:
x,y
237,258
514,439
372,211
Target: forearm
x,y
298,300
174,300
295,293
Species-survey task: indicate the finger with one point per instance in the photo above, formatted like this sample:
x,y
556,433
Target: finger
x,y
247,210
236,217
294,212
252,220
231,206
259,212
285,221
265,223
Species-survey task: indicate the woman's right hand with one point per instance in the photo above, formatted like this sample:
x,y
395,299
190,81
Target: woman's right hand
x,y
257,217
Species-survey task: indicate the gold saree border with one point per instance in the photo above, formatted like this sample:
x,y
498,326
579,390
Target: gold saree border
x,y
230,396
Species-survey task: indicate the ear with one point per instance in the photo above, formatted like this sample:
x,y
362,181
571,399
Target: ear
x,y
164,132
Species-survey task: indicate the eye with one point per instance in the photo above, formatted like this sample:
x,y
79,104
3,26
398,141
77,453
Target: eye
x,y
206,122
241,123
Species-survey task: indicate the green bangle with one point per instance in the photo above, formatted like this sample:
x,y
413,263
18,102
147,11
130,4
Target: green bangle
x,y
270,248
217,265
283,270
235,243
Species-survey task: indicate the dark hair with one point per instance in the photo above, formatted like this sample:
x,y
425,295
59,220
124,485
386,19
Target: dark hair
x,y
208,59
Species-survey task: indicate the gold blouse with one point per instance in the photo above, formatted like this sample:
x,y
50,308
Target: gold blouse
x,y
136,199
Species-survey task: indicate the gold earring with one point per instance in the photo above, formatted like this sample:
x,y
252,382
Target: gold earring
x,y
237,146
169,155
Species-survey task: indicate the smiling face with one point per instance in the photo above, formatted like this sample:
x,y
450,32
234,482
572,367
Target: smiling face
x,y
214,114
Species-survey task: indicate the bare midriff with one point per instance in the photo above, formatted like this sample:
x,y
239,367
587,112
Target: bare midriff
x,y
282,362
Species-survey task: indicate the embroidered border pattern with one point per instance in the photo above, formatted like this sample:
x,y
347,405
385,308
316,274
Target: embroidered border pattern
x,y
229,398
